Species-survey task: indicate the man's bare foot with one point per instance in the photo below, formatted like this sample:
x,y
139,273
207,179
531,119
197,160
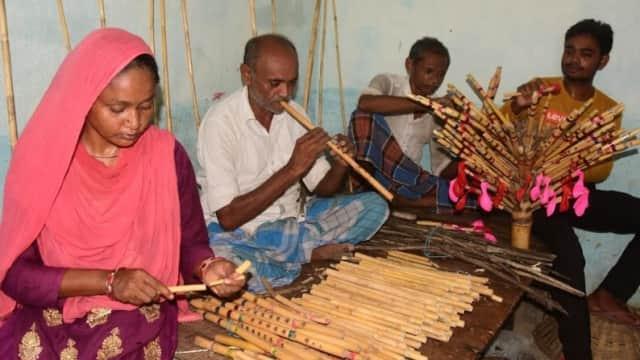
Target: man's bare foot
x,y
603,303
331,251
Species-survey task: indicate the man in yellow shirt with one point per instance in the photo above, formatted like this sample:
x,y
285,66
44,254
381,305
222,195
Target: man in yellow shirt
x,y
586,51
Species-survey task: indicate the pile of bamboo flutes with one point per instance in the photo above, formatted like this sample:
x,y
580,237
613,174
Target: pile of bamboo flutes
x,y
509,154
366,308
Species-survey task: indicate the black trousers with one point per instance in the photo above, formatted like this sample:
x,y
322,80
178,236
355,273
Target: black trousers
x,y
608,211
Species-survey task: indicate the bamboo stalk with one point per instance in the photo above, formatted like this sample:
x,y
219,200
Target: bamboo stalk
x,y
63,25
339,67
311,56
152,26
165,65
273,16
348,159
8,77
252,18
187,46
320,108
103,18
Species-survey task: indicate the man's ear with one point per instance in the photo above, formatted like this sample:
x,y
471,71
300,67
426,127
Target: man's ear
x,y
245,74
408,65
604,60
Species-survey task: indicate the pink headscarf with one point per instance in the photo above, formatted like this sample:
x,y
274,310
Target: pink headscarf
x,y
84,214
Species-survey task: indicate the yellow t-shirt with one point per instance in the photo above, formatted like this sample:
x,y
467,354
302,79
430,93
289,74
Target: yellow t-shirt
x,y
561,106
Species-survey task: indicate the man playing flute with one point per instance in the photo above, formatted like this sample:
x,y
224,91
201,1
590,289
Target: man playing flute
x,y
256,158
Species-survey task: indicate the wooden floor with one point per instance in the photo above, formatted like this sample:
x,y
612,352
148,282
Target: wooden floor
x,y
469,342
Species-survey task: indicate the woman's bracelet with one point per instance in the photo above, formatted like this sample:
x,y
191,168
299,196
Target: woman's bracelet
x,y
109,282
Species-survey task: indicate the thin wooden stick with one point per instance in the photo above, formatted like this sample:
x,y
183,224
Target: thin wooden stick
x,y
319,110
8,77
343,115
310,56
273,16
63,25
152,26
252,18
165,65
187,46
348,159
241,269
103,18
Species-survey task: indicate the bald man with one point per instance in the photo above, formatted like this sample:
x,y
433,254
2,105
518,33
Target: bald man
x,y
256,158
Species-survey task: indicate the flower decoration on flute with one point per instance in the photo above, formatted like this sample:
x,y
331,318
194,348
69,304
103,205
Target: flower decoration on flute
x,y
522,165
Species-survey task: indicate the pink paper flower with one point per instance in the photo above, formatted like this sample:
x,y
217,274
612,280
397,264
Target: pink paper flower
x,y
485,200
534,194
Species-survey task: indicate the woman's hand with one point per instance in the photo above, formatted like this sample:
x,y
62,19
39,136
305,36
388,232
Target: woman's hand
x,y
137,287
223,269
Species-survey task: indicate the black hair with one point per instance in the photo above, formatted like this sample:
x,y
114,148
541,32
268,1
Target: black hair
x,y
144,61
599,30
254,46
428,44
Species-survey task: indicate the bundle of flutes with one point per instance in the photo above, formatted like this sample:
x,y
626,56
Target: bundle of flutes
x,y
509,264
521,165
366,308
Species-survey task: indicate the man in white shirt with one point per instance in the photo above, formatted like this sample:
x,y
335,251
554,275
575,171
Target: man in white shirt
x,y
255,157
390,130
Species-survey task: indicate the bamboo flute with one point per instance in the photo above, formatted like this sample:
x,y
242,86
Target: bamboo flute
x,y
63,25
252,18
348,159
236,342
103,18
8,77
241,269
187,46
339,66
311,55
152,25
320,107
165,65
227,351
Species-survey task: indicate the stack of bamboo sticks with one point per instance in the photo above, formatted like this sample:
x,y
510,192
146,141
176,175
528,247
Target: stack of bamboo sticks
x,y
366,308
510,155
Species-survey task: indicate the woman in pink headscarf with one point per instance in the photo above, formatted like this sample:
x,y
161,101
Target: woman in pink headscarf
x,y
101,214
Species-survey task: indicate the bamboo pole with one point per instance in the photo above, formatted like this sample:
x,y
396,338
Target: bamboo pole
x,y
103,18
273,16
320,108
187,46
252,18
165,65
63,25
152,26
339,67
348,159
8,77
311,56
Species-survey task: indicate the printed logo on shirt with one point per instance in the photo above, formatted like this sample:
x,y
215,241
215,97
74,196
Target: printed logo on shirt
x,y
554,116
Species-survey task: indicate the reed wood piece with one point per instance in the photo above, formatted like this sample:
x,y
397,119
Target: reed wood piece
x,y
63,25
152,25
187,46
103,17
8,77
320,107
165,65
273,16
343,116
252,18
306,123
241,269
311,55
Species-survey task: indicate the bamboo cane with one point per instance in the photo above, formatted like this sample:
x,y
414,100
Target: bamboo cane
x,y
273,16
252,18
63,25
226,351
152,26
348,159
320,107
241,269
311,55
187,46
165,65
103,18
8,77
339,66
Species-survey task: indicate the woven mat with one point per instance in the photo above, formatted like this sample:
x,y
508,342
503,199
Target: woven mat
x,y
609,340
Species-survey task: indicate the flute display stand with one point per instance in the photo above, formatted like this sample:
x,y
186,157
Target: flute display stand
x,y
521,229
